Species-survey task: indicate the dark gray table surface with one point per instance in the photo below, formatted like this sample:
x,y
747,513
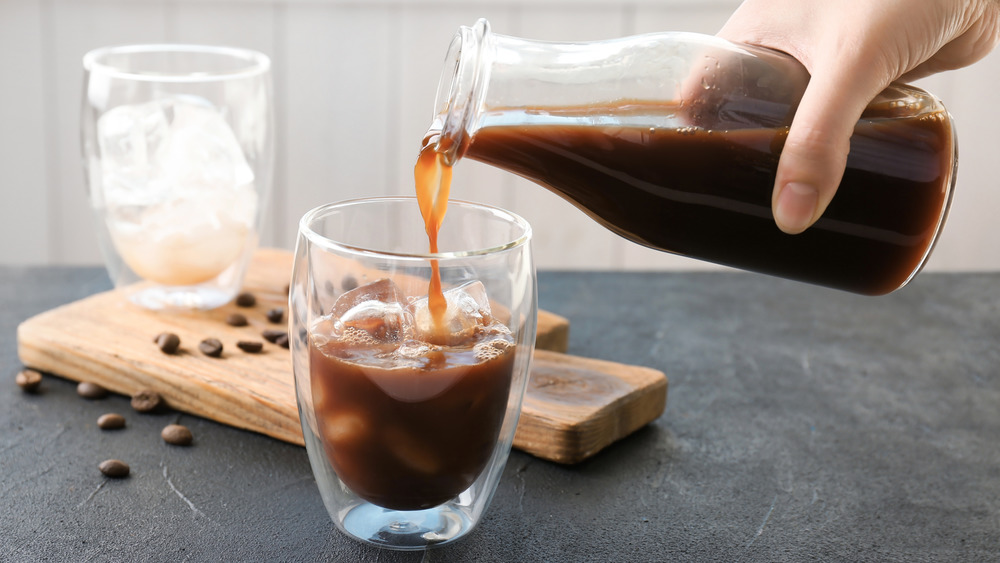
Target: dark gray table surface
x,y
802,424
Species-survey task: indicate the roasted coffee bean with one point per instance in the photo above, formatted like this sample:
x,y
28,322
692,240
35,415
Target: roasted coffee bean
x,y
276,315
272,335
282,340
114,468
211,347
177,435
349,283
111,421
146,400
250,346
246,299
236,319
168,342
89,390
28,380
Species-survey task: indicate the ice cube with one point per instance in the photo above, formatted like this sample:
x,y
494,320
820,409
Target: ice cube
x,y
130,138
203,152
344,428
172,147
410,451
467,313
179,197
375,311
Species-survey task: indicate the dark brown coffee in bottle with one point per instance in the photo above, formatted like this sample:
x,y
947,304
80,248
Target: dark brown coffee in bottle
x,y
699,189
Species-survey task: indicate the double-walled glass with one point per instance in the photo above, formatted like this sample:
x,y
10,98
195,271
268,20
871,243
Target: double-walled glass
x,y
408,421
178,152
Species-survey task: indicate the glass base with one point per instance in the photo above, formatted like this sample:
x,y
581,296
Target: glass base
x,y
407,530
159,298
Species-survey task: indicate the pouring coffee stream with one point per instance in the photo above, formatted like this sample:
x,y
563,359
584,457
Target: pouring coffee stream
x,y
433,183
672,140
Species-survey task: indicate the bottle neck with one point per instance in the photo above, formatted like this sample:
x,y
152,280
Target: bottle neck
x,y
462,90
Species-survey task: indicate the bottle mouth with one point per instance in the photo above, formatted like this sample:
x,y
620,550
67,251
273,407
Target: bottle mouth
x,y
461,89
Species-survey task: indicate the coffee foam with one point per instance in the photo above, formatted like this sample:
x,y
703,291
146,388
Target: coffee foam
x,y
484,343
357,337
492,349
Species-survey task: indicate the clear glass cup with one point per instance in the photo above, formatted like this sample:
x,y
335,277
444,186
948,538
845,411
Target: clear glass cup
x,y
178,146
408,427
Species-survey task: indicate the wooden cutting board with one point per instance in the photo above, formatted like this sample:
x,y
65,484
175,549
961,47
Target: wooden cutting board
x,y
573,408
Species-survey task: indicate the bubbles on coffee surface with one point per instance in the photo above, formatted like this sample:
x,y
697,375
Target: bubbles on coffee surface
x,y
376,323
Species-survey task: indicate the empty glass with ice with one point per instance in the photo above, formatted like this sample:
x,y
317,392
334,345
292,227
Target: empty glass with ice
x,y
178,152
409,411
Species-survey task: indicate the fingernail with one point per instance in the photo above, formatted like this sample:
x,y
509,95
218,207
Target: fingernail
x,y
795,208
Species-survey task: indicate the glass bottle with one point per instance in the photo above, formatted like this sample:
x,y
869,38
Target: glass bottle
x,y
672,141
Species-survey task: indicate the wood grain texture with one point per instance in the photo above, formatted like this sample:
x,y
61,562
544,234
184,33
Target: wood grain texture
x,y
574,406
108,340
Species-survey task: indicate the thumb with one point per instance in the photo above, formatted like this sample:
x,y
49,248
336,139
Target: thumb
x,y
814,156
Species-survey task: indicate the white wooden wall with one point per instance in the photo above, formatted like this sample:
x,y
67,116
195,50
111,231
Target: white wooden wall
x,y
355,82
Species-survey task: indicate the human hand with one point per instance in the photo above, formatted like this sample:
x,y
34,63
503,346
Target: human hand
x,y
853,49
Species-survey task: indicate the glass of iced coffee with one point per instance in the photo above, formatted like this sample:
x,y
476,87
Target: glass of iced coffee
x,y
410,366
178,150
